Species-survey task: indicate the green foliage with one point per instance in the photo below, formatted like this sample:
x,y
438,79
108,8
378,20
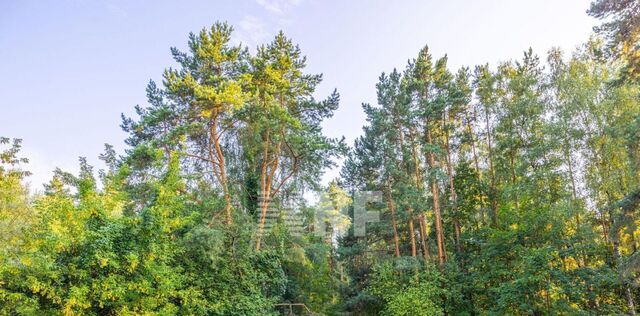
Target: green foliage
x,y
548,153
83,256
621,26
15,209
506,191
407,291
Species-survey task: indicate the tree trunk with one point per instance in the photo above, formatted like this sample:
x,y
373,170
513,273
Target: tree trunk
x,y
473,143
514,178
264,190
475,158
442,256
492,172
412,234
626,286
218,166
454,197
418,182
574,194
423,238
394,223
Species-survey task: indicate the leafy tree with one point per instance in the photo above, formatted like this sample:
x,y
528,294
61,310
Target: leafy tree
x,y
529,171
15,209
622,28
283,133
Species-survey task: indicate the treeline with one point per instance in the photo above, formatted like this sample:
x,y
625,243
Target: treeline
x,y
506,180
508,189
180,223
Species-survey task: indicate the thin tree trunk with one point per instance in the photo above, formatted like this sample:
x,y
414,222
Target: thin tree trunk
x,y
632,305
617,259
418,181
473,144
264,190
475,159
514,178
394,224
454,197
494,193
217,161
436,202
412,234
223,175
627,288
423,238
574,193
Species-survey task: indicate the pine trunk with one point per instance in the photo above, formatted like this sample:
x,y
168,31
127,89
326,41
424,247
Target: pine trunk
x,y
394,223
454,197
436,202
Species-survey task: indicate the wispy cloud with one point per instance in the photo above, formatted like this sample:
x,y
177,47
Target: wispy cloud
x,y
252,31
279,7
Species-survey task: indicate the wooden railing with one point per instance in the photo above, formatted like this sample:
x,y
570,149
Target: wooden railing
x,y
290,308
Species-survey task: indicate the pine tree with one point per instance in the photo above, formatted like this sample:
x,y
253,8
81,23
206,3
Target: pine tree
x,y
286,120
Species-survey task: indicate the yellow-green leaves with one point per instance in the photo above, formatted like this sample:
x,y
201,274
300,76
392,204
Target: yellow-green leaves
x,y
213,45
210,81
77,301
228,97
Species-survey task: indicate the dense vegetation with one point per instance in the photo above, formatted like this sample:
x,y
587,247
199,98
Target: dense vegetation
x,y
509,190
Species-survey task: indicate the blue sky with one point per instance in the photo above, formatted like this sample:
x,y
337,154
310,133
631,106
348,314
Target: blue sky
x,y
70,67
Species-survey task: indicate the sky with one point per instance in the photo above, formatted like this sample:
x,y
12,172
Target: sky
x,y
71,67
